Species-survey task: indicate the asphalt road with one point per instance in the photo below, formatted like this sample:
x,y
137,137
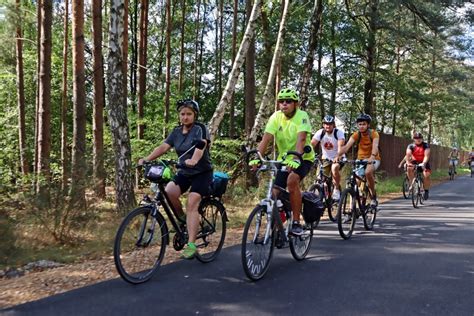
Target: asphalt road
x,y
415,262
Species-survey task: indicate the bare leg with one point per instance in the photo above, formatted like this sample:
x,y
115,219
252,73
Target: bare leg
x,y
369,175
427,179
336,175
192,215
293,183
174,192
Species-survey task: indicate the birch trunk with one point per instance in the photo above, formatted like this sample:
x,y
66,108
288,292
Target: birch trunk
x,y
264,105
98,109
117,110
235,72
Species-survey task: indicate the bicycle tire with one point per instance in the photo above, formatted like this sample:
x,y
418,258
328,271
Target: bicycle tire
x,y
300,245
421,198
405,188
346,213
332,211
255,255
212,230
130,248
415,189
369,216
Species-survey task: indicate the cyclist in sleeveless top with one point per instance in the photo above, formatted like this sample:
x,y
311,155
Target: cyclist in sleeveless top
x,y
453,158
331,139
191,142
291,130
419,153
368,150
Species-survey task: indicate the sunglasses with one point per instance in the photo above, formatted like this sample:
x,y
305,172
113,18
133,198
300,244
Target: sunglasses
x,y
417,137
286,101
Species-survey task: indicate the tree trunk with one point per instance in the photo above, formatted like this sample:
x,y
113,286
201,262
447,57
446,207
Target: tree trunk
x,y
332,104
234,51
201,49
314,37
125,48
395,97
117,110
168,61
20,93
134,62
196,50
98,109
38,70
264,108
142,62
235,72
432,102
322,109
370,83
181,59
65,160
221,32
78,174
250,89
44,109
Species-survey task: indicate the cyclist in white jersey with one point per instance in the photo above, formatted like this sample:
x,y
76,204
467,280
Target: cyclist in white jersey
x,y
331,139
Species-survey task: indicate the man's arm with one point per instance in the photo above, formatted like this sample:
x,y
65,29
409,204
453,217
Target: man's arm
x,y
262,147
427,156
346,147
301,142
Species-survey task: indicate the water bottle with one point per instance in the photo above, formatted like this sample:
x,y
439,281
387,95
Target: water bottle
x,y
281,211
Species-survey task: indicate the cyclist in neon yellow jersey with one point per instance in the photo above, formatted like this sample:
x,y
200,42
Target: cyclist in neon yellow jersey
x,y
291,129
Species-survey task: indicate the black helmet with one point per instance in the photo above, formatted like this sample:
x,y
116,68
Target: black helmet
x,y
329,119
417,135
364,118
188,103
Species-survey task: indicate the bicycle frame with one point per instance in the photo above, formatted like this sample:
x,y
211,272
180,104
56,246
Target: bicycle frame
x,y
352,182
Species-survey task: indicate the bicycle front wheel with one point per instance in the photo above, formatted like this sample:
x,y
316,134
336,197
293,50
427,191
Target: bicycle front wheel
x,y
212,232
346,213
140,245
257,243
415,192
300,245
405,188
332,210
370,213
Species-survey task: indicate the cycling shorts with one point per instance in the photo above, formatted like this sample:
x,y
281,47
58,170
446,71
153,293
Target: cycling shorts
x,y
302,171
200,183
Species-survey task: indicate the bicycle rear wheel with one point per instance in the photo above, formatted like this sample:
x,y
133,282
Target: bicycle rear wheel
x,y
140,245
212,232
257,243
415,190
300,245
405,188
346,213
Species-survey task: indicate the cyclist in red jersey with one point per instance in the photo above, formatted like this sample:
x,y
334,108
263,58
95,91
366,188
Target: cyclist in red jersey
x,y
419,153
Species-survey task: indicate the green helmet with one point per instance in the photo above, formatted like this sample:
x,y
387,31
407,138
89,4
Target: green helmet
x,y
288,94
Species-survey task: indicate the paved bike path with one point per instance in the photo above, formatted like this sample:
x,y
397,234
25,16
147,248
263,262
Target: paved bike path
x,y
415,262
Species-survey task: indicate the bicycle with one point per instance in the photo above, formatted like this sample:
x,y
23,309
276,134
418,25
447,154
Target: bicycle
x,y
323,187
452,168
417,187
269,225
355,202
406,185
143,235
471,164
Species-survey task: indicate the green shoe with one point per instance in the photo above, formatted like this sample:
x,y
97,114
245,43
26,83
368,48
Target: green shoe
x,y
189,251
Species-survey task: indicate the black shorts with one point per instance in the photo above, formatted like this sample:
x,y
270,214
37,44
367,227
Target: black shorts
x,y
302,171
427,166
200,183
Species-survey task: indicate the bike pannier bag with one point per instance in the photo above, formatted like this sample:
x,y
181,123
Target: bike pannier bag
x,y
219,183
313,207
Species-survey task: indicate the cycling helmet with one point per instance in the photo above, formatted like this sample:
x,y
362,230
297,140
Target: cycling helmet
x,y
188,103
364,118
288,94
329,119
417,135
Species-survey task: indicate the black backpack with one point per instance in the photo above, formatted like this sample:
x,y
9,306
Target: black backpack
x,y
334,132
313,207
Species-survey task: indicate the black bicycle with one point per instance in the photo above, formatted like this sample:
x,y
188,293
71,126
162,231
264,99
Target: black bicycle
x,y
269,225
406,184
143,235
323,187
417,188
355,202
